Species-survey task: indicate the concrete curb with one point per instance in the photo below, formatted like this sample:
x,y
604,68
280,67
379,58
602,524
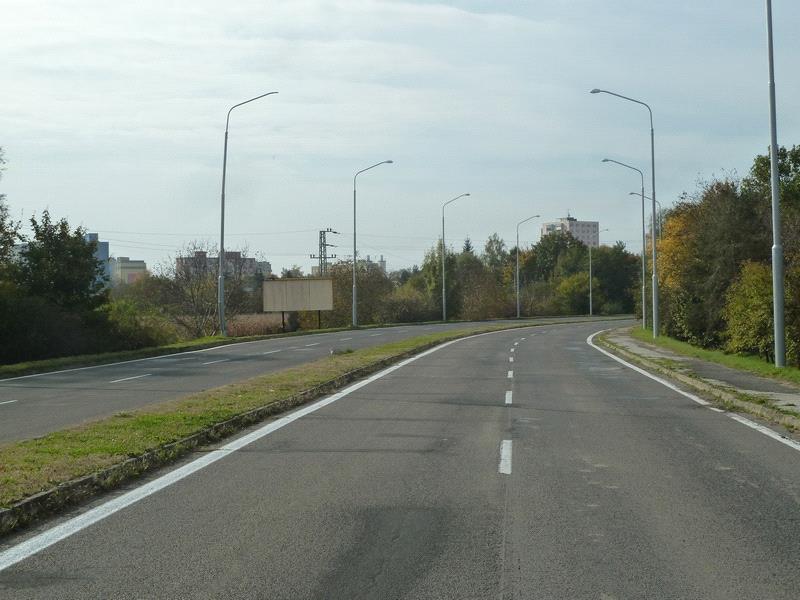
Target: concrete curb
x,y
710,392
70,493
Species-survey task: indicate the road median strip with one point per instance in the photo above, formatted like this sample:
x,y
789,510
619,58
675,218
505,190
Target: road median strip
x,y
42,476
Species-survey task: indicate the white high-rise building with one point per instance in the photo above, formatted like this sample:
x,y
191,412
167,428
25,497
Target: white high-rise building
x,y
587,232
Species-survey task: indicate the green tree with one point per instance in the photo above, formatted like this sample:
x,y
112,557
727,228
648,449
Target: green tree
x,y
705,242
572,294
59,266
495,256
749,318
9,229
617,271
543,261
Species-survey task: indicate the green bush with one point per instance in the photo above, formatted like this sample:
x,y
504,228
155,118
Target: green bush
x,y
407,305
572,294
748,313
127,327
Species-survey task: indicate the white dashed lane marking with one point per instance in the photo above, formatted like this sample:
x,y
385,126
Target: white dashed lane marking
x,y
130,378
504,467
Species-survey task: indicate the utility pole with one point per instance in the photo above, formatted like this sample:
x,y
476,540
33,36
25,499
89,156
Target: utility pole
x,y
323,255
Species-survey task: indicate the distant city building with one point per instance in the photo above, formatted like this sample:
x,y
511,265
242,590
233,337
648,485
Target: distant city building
x,y
234,262
125,270
101,253
587,232
368,261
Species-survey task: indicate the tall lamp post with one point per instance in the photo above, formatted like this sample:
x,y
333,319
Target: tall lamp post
x,y
221,274
444,252
516,279
644,241
653,175
777,247
355,250
660,211
591,312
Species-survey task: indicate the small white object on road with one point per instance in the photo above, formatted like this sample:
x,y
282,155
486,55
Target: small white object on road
x,y
129,378
505,458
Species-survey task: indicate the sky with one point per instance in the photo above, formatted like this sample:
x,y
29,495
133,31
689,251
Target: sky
x,y
112,115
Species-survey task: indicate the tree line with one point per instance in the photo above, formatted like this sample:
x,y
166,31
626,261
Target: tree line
x,y
715,261
554,280
55,300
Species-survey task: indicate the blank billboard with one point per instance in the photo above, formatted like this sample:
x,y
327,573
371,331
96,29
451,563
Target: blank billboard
x,y
298,294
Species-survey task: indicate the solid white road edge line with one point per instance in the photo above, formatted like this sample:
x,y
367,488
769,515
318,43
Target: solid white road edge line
x,y
129,378
509,394
766,431
52,536
744,421
505,460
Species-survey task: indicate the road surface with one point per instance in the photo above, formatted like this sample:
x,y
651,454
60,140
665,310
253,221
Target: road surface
x,y
34,405
522,464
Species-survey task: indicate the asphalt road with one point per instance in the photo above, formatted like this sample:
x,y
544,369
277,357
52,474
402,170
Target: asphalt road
x,y
34,405
588,480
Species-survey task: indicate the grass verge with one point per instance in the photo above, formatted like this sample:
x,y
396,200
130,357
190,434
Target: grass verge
x,y
751,364
33,466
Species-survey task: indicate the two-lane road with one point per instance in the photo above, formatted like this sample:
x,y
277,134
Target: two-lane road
x,y
520,464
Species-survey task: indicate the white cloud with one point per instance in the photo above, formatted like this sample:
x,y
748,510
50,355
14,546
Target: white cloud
x,y
114,113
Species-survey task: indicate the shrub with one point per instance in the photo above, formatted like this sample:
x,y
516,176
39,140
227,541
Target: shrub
x,y
748,313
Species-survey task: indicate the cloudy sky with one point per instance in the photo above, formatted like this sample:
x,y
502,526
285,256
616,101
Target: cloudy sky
x,y
113,115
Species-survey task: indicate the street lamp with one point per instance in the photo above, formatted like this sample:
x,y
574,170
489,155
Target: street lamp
x,y
444,289
660,211
777,248
355,251
653,175
221,274
644,241
517,271
591,313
